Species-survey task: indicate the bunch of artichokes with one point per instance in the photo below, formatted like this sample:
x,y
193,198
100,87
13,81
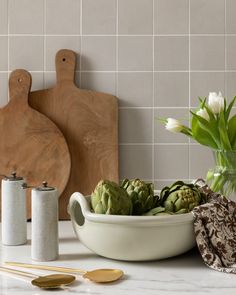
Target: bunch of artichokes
x,y
136,197
141,194
177,199
109,198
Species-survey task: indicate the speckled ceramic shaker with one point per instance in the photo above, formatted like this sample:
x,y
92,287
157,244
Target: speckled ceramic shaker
x,y
44,244
14,220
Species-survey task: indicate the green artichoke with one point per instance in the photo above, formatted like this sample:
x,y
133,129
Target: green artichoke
x,y
180,197
141,194
109,198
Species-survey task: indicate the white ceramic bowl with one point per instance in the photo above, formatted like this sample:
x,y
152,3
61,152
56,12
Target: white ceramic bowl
x,y
131,238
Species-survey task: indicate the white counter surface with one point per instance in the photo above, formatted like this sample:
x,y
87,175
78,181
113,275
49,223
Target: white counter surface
x,y
184,274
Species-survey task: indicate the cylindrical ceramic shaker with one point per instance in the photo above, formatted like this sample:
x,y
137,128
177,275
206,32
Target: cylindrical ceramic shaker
x,y
44,243
14,219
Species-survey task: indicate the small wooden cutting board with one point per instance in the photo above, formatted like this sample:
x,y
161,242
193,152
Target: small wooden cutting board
x,y
89,122
31,144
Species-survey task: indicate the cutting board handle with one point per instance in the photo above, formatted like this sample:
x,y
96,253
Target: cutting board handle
x,y
65,65
19,85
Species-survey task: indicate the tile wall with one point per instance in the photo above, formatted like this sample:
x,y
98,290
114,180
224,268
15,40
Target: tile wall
x,y
156,56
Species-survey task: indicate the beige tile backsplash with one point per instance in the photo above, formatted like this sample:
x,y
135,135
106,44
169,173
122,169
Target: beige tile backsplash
x,y
156,56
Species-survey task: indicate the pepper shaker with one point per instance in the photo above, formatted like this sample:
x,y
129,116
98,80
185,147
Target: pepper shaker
x,y
44,223
14,219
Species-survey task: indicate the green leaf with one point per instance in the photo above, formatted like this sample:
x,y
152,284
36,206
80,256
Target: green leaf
x,y
210,127
201,135
202,102
232,131
225,142
229,109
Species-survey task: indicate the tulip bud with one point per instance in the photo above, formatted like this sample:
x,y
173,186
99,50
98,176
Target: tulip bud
x,y
173,125
216,102
203,113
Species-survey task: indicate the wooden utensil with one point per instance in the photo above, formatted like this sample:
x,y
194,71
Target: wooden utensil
x,y
53,281
89,122
103,275
31,144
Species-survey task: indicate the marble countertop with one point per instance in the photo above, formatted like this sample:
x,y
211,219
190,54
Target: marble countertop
x,y
185,274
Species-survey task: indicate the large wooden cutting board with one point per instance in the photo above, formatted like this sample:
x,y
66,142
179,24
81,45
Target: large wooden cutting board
x,y
89,122
31,144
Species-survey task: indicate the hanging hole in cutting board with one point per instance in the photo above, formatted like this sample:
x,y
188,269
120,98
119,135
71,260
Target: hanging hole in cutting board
x,y
19,80
64,59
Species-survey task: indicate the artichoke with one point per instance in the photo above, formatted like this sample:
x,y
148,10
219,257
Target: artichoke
x,y
180,197
109,198
141,194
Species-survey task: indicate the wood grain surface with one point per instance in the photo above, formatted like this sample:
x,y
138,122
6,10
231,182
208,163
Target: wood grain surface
x,y
89,122
31,144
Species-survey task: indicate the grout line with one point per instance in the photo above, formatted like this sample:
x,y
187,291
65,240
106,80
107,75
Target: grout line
x,y
8,50
117,48
121,35
189,82
159,144
225,48
150,108
114,71
44,43
153,96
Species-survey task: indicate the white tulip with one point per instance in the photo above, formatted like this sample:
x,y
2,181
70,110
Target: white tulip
x,y
173,125
203,113
216,102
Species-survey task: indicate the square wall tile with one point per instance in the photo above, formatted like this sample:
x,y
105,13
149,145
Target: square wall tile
x,y
201,160
99,17
98,53
136,161
230,85
26,17
207,53
171,89
4,89
171,16
201,83
103,82
135,125
62,17
171,162
55,43
207,16
230,16
37,81
26,52
3,16
171,53
135,17
161,135
135,53
4,53
135,89
231,52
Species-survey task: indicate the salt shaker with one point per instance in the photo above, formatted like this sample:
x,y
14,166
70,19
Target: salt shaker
x,y
14,219
44,223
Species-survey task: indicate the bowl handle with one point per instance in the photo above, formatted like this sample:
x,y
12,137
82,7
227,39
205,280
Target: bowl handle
x,y
75,200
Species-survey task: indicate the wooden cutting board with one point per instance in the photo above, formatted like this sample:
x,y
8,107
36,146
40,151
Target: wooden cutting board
x,y
31,144
89,122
